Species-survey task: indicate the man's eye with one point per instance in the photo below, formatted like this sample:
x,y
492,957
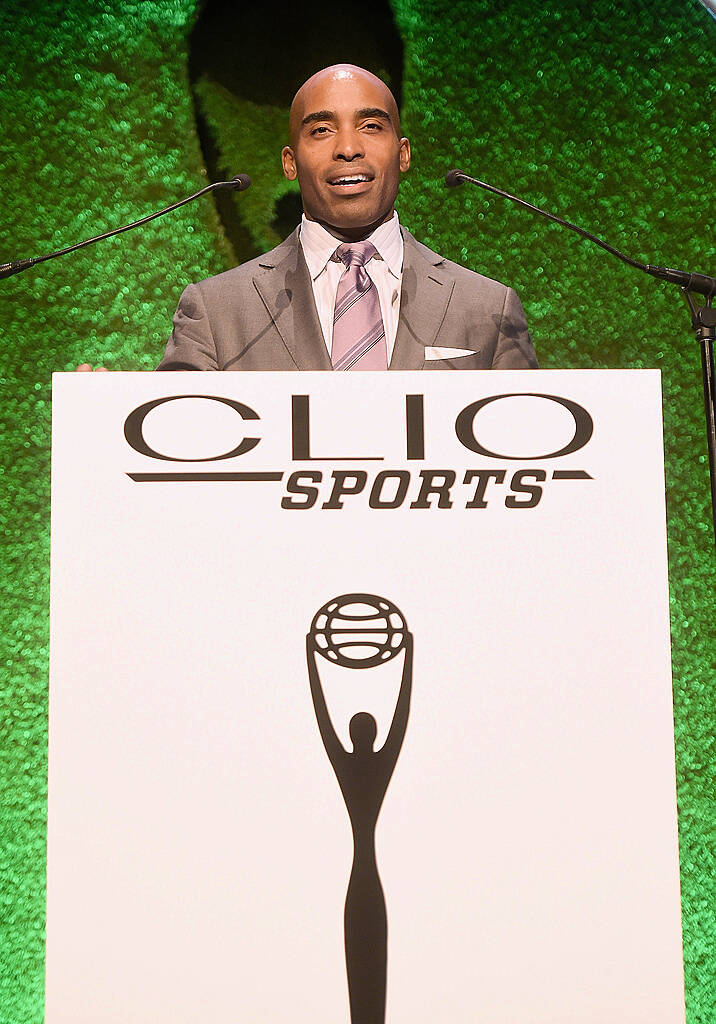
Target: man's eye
x,y
373,124
320,129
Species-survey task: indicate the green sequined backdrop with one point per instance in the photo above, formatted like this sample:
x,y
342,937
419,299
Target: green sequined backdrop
x,y
599,111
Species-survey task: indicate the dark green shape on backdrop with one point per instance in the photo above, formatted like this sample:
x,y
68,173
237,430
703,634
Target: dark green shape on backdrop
x,y
600,112
230,49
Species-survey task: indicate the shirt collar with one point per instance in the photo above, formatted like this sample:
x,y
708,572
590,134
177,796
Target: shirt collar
x,y
319,245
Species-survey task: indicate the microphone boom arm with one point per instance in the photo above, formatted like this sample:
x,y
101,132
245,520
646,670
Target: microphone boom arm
x,y
238,183
701,283
703,318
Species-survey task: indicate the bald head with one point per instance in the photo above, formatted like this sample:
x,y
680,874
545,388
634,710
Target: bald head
x,y
341,74
346,150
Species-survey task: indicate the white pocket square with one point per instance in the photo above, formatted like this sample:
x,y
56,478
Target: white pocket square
x,y
435,352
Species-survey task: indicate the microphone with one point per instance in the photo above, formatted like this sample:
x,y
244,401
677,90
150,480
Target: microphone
x,y
700,283
455,178
239,183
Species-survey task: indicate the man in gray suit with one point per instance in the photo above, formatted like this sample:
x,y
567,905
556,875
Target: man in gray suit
x,y
276,312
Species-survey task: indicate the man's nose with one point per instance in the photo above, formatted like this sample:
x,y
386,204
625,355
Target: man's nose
x,y
348,145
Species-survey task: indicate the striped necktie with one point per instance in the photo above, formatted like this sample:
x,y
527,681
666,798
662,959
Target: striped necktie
x,y
358,331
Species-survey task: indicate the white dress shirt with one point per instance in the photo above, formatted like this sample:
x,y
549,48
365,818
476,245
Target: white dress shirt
x,y
385,270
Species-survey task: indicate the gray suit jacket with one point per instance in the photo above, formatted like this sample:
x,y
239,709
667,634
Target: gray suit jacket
x,y
262,316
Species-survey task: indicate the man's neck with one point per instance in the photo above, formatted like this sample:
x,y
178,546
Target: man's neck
x,y
357,234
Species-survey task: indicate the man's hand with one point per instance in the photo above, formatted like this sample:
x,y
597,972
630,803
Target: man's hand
x,y
86,368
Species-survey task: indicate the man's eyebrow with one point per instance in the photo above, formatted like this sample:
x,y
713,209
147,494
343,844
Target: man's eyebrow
x,y
329,115
374,112
319,115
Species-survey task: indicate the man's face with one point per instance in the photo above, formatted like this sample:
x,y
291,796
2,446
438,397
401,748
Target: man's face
x,y
346,152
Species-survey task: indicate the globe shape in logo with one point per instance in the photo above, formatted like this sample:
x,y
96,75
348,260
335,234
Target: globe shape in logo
x,y
359,630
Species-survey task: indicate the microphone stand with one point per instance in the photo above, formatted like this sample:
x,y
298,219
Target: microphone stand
x,y
238,183
703,317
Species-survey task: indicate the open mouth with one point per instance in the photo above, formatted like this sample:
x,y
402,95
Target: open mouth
x,y
347,181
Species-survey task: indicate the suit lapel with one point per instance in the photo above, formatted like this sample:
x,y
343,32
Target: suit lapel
x,y
424,296
284,284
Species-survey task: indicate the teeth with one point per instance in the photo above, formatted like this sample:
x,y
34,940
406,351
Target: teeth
x,y
351,181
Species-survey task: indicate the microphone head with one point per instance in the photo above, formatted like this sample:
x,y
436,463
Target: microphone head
x,y
359,630
241,182
454,178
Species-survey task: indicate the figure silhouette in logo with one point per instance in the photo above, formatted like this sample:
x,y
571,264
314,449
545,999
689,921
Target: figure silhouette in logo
x,y
360,631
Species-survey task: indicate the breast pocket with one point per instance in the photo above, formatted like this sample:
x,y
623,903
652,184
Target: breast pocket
x,y
468,361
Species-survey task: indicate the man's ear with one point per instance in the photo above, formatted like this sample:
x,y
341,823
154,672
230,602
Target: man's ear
x,y
289,163
404,155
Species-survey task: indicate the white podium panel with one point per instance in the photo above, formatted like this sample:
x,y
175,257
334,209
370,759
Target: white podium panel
x,y
200,846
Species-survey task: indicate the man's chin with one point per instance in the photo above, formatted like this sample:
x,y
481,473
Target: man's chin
x,y
352,225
